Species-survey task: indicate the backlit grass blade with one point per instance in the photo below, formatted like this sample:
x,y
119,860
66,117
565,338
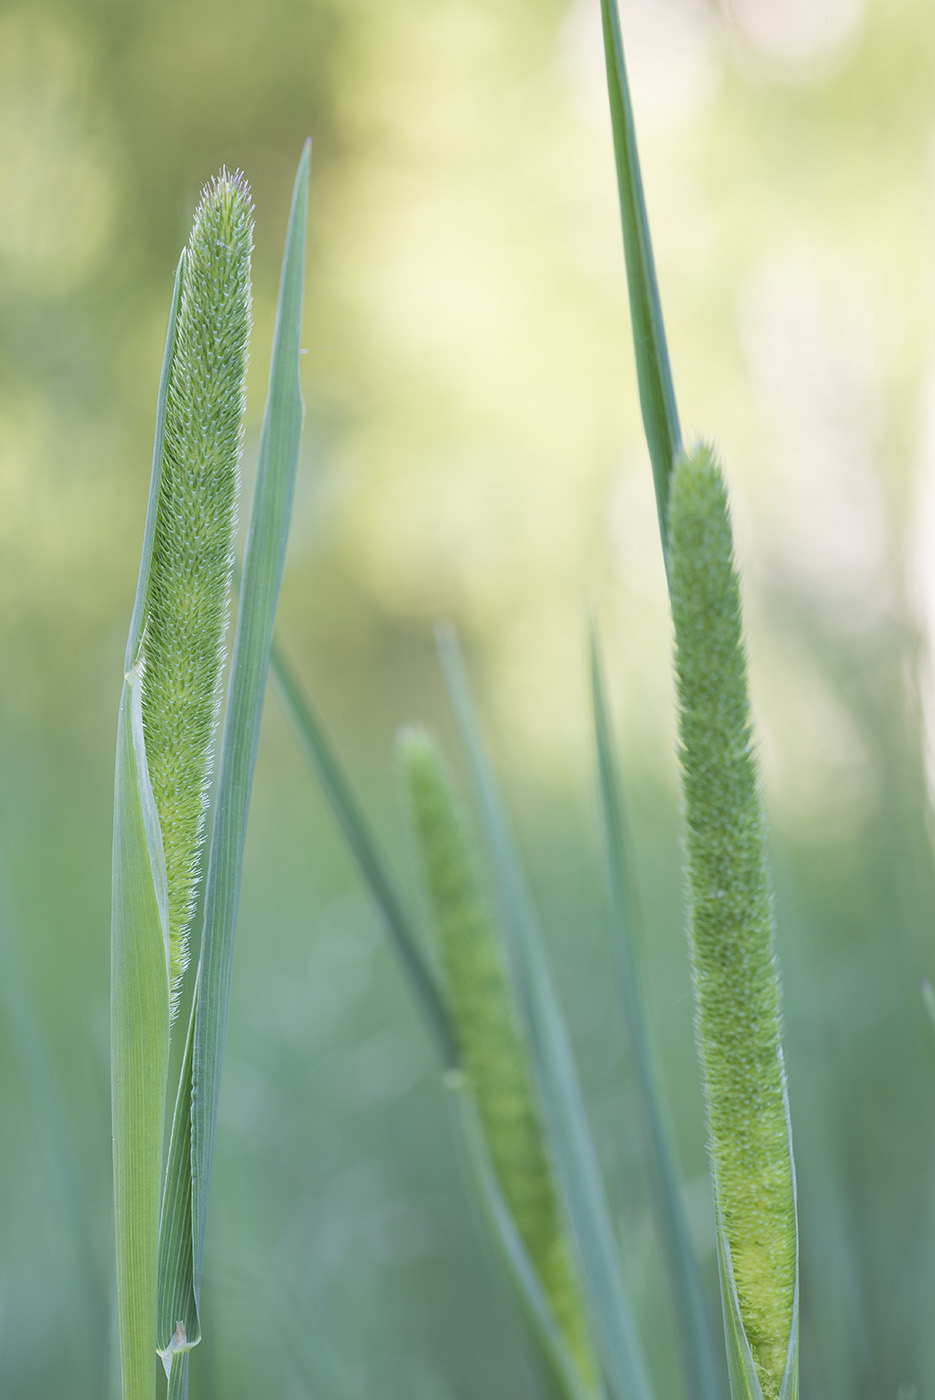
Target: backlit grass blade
x,y
139,980
570,1135
262,574
703,1380
366,851
657,394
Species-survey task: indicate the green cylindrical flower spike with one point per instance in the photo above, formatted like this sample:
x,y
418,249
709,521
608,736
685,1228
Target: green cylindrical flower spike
x,y
492,1052
735,972
189,583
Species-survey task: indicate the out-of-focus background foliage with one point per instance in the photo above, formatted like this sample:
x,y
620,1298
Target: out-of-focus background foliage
x,y
473,450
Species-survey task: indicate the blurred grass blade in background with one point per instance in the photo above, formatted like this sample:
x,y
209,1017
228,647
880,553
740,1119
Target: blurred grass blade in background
x,y
703,1378
495,1065
370,861
733,944
376,874
54,1153
569,1133
657,394
928,999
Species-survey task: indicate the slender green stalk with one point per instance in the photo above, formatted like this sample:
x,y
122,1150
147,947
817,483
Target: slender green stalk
x,y
492,1050
363,845
733,954
654,376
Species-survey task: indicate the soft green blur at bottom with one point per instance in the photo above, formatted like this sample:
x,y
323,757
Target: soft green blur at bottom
x,y
343,1251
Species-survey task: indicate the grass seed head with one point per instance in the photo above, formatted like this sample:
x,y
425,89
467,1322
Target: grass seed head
x,y
189,583
492,1050
736,977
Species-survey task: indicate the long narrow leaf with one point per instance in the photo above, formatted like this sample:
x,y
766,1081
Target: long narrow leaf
x,y
702,1371
366,851
179,1327
139,980
263,566
139,1043
657,394
570,1135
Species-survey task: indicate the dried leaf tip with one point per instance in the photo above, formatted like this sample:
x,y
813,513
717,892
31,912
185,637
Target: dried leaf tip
x,y
188,590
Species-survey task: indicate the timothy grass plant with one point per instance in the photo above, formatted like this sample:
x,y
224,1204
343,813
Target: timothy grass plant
x,y
167,722
738,1018
738,1022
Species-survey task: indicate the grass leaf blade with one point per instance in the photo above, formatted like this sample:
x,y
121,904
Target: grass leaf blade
x,y
139,975
179,1328
570,1134
370,860
262,575
139,1044
702,1371
657,394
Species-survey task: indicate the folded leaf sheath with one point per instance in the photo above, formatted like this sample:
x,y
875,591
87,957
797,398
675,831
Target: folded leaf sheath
x,y
738,1013
189,583
492,1052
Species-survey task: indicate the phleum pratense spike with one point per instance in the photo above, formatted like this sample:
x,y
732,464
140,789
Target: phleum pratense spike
x,y
737,992
492,1051
189,583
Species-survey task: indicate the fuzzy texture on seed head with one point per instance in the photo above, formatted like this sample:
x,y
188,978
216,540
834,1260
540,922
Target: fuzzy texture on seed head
x,y
190,575
736,977
492,1051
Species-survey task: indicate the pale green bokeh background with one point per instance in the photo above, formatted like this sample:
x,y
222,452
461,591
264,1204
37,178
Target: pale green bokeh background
x,y
473,450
